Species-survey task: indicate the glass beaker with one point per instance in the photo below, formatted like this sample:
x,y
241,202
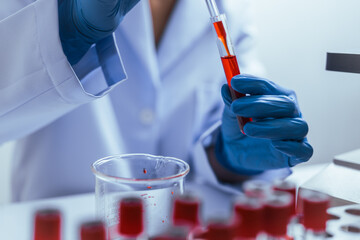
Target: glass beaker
x,y
155,179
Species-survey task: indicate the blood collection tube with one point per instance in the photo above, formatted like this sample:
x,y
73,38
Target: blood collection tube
x,y
277,213
220,229
94,230
290,187
186,211
47,225
314,210
249,214
131,219
257,188
227,54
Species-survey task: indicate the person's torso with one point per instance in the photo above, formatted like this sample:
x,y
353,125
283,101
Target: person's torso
x,y
170,97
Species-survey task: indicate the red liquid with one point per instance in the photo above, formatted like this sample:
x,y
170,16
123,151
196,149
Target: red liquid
x,y
221,230
93,231
131,217
250,218
221,33
231,69
47,225
186,211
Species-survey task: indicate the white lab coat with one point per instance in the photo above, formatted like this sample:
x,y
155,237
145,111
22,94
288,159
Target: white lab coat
x,y
67,117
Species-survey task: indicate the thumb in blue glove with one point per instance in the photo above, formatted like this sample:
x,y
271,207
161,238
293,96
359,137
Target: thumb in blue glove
x,y
85,22
277,136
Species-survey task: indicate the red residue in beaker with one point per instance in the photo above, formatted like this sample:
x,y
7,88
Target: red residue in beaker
x,y
144,171
149,187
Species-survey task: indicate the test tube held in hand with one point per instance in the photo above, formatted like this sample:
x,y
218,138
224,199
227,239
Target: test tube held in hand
x,y
131,217
47,225
94,230
227,54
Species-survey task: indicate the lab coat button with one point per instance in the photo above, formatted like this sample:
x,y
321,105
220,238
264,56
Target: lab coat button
x,y
146,116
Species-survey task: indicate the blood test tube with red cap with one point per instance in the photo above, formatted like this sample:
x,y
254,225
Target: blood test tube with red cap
x,y
257,188
186,210
131,219
287,186
277,213
94,230
314,210
47,225
220,229
290,187
249,213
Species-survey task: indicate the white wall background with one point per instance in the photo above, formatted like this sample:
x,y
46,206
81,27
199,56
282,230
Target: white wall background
x,y
293,39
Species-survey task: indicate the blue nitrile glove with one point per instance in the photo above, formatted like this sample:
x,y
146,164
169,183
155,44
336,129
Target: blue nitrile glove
x,y
275,138
85,22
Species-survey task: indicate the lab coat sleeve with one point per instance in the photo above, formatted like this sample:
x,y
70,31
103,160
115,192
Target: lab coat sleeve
x,y
37,83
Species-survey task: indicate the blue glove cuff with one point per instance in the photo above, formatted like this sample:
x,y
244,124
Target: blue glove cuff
x,y
222,158
74,44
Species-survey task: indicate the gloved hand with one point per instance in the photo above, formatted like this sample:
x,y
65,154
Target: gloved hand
x,y
275,138
85,22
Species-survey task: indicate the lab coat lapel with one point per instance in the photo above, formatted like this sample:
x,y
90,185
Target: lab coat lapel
x,y
137,29
188,22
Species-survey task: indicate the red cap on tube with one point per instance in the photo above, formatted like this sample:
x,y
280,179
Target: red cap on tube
x,y
287,186
94,230
47,225
131,222
277,213
220,229
314,207
186,210
249,213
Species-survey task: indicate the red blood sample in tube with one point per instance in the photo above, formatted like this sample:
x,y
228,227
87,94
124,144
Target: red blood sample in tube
x,y
220,229
94,230
47,225
314,207
290,187
131,222
231,67
277,213
186,211
249,215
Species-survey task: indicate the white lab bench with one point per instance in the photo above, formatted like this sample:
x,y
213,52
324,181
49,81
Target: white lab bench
x,y
16,220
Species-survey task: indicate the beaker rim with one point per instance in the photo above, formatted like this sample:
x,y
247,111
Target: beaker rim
x,y
111,178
